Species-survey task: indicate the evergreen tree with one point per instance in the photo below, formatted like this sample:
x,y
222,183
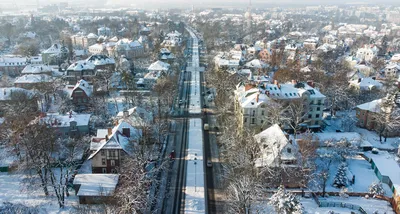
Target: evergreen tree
x,y
340,179
376,188
285,202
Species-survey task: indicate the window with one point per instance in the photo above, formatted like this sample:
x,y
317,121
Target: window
x,y
104,170
102,153
245,120
262,121
309,116
317,115
289,150
254,112
103,161
262,112
253,120
319,102
112,162
318,108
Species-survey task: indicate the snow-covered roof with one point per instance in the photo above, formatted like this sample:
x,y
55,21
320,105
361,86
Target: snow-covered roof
x,y
5,93
386,165
116,140
256,63
100,59
54,49
57,120
165,51
159,66
96,184
373,106
15,60
367,83
395,58
82,84
81,65
33,78
92,36
36,69
274,144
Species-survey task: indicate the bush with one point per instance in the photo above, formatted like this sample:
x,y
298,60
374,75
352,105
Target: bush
x,y
340,179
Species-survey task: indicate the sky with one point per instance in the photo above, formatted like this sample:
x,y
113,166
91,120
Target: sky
x,y
157,4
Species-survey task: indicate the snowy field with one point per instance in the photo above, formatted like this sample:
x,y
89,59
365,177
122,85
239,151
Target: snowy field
x,y
364,176
369,205
14,192
311,207
372,137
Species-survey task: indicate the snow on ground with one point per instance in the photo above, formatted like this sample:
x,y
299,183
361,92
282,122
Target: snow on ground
x,y
372,137
364,176
194,191
14,192
369,205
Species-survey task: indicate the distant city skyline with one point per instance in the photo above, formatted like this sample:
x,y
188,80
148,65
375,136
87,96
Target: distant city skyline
x,y
159,4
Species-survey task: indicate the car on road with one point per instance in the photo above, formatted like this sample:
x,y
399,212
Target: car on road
x,y
180,102
209,163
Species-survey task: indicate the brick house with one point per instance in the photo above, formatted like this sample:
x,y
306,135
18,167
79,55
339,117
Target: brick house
x,y
112,146
81,93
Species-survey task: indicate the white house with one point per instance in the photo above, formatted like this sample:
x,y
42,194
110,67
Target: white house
x,y
275,148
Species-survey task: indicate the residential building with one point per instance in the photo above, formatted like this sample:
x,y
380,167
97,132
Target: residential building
x,y
252,102
366,84
102,62
33,81
137,116
276,148
368,112
69,125
84,41
166,55
53,51
392,70
104,31
129,48
112,146
80,70
12,65
95,188
37,69
98,48
365,53
81,94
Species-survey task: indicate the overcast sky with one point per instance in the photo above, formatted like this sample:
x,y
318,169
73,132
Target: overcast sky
x,y
157,4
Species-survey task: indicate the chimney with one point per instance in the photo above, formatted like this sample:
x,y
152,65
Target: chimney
x,y
109,131
276,82
294,82
310,83
267,93
125,113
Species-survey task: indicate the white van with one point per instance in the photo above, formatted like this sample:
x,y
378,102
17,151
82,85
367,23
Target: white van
x,y
206,127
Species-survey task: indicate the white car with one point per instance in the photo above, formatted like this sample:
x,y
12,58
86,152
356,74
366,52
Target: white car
x,y
209,163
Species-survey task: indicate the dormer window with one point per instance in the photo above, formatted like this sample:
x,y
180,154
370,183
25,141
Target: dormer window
x,y
289,150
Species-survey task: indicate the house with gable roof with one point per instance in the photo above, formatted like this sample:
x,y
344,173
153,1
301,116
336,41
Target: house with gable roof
x,y
276,148
81,93
110,148
80,70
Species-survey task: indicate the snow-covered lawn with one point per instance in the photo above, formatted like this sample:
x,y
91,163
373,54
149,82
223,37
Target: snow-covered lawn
x,y
370,136
369,205
11,190
364,176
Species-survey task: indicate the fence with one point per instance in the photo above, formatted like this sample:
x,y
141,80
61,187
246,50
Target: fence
x,y
323,203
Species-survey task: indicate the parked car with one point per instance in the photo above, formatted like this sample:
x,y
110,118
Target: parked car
x,y
209,163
